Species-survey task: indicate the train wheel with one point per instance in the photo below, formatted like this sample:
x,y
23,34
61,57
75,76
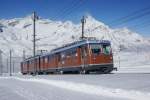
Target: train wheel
x,y
61,72
106,71
84,72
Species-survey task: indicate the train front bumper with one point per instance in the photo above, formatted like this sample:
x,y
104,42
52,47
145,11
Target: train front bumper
x,y
99,67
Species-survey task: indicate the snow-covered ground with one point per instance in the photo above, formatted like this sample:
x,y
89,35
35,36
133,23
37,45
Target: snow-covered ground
x,y
76,87
132,62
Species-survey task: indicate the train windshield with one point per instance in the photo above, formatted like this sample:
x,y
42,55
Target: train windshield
x,y
96,48
100,48
106,49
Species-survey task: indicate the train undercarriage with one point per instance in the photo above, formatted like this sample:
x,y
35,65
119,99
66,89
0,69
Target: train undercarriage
x,y
86,69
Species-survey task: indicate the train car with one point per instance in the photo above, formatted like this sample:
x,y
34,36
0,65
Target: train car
x,y
83,56
27,66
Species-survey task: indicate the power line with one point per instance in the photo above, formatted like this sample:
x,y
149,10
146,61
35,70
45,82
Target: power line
x,y
48,45
10,62
24,54
131,16
144,26
66,8
13,66
83,21
75,8
74,5
7,63
35,17
1,64
141,25
134,18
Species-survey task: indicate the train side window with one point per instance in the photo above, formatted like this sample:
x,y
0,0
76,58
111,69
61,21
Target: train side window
x,y
74,52
68,53
84,50
63,55
96,51
43,60
59,57
49,58
27,63
32,62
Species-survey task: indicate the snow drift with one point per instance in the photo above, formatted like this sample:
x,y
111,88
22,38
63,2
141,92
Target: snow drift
x,y
88,88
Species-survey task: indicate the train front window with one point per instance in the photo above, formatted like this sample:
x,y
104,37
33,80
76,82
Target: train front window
x,y
96,48
106,49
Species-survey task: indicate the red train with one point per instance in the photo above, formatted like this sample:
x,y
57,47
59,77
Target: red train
x,y
83,56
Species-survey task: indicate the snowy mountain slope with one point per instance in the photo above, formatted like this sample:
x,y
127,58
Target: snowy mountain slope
x,y
17,34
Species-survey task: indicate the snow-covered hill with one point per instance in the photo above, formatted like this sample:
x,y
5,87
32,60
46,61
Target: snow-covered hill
x,y
16,34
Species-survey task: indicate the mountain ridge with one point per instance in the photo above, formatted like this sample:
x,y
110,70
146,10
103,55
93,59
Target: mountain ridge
x,y
17,34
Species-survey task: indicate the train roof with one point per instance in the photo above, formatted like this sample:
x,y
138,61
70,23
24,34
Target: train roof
x,y
79,43
31,58
72,45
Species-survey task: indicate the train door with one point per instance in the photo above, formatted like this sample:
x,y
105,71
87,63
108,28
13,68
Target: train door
x,y
36,64
28,67
57,60
21,67
84,54
106,48
39,63
96,56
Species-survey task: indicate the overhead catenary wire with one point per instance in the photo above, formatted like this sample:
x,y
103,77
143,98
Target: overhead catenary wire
x,y
133,16
136,14
74,8
141,25
66,8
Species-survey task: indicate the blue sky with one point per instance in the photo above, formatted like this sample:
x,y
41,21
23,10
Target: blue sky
x,y
107,11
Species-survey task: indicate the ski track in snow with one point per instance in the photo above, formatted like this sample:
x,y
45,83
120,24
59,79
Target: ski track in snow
x,y
84,88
